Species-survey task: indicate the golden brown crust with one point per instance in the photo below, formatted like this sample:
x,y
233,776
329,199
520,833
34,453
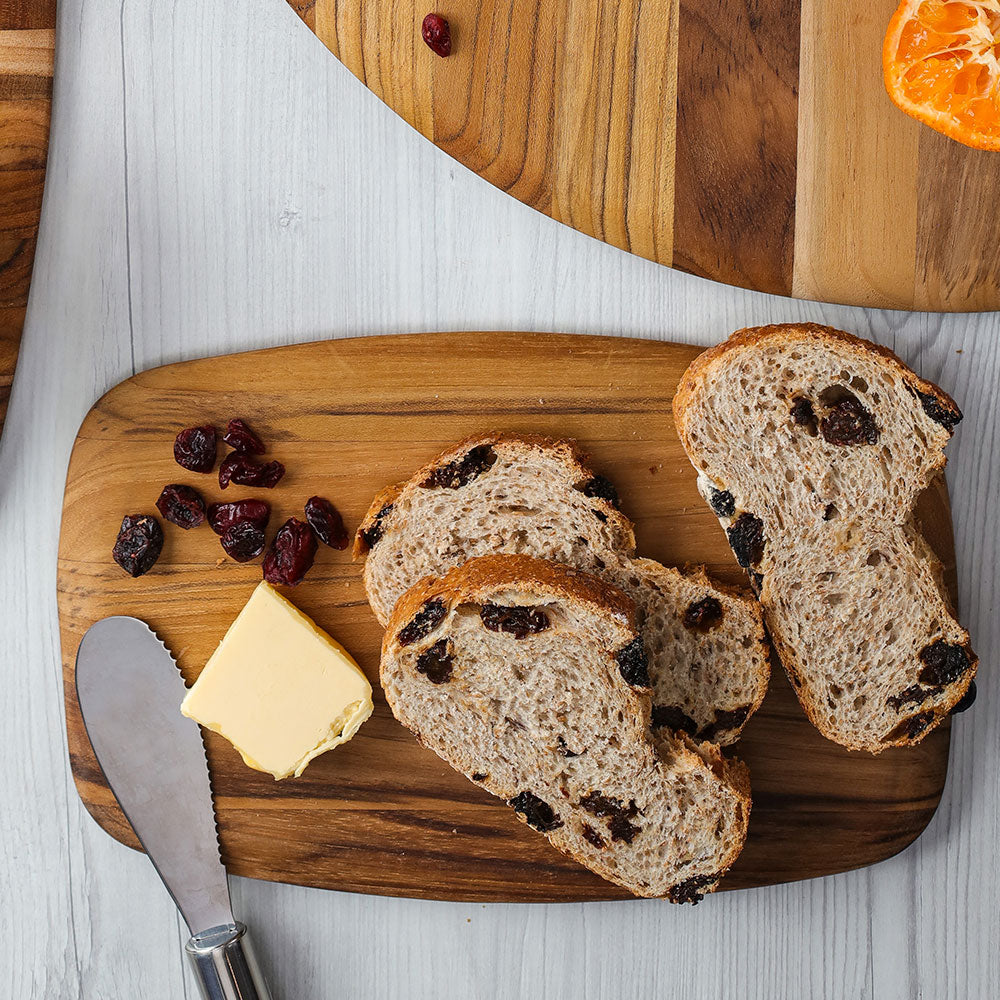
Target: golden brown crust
x,y
788,333
487,575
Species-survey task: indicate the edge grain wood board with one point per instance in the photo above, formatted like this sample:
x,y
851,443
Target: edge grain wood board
x,y
752,143
382,814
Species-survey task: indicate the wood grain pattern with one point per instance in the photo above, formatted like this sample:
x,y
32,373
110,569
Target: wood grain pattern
x,y
382,814
26,57
749,142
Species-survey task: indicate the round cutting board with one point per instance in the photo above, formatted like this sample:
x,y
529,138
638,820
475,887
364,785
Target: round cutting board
x,y
752,143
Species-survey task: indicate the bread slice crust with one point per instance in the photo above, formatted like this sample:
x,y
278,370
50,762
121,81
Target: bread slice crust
x,y
658,814
817,534
710,671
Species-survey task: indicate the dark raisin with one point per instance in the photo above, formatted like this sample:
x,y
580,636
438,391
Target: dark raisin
x,y
424,622
564,748
911,695
966,701
803,415
722,502
479,776
139,543
939,411
703,615
672,717
461,472
944,662
373,532
239,437
436,32
910,728
746,537
632,663
194,449
725,719
756,581
435,663
326,521
592,836
601,488
243,470
181,505
616,812
536,812
243,541
519,620
222,516
848,423
291,553
691,890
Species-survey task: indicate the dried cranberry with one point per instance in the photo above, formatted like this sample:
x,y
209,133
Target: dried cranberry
x,y
194,449
291,553
725,718
240,438
424,622
910,728
803,415
222,516
181,505
914,694
944,662
602,488
849,423
675,718
436,32
435,663
243,470
373,532
722,502
243,541
461,472
519,621
746,537
703,615
690,890
616,812
536,812
938,410
326,521
479,776
592,836
632,663
139,543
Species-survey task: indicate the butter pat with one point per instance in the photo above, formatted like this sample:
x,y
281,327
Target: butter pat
x,y
279,688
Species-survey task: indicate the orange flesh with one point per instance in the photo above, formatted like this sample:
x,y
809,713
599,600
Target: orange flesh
x,y
942,65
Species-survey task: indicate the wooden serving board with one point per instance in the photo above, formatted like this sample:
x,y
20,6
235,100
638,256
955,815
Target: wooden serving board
x,y
752,143
382,814
27,43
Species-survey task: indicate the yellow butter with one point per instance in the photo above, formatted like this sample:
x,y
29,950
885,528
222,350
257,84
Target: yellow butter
x,y
279,688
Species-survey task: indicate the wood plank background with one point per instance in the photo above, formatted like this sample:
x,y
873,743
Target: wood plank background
x,y
749,142
271,199
27,44
349,417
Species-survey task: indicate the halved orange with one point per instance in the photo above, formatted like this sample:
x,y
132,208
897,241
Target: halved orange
x,y
940,63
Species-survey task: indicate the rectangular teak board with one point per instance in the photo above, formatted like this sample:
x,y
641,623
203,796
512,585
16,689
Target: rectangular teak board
x,y
382,814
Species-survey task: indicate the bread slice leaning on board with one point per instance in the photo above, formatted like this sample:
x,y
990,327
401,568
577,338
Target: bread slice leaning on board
x,y
530,678
812,446
523,494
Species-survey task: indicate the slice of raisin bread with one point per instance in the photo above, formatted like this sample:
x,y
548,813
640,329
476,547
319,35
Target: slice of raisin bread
x,y
530,678
513,493
812,447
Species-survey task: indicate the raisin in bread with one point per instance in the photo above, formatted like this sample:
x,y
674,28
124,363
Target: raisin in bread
x,y
530,678
512,493
812,447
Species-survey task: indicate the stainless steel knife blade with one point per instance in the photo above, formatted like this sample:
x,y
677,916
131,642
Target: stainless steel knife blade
x,y
130,690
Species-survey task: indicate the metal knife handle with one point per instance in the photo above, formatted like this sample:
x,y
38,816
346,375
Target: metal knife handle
x,y
225,964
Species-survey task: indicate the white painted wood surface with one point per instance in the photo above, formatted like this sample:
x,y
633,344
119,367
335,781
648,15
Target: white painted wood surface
x,y
217,181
